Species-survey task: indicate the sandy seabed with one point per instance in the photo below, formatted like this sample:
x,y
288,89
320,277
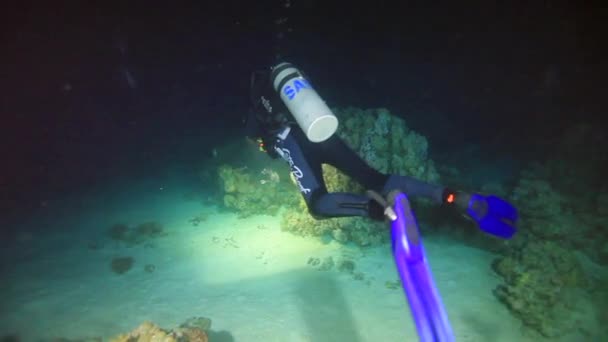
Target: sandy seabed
x,y
252,279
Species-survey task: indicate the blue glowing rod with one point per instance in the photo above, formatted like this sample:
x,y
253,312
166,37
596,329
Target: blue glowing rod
x,y
427,309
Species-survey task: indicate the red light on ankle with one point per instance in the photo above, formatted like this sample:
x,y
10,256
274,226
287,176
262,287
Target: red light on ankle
x,y
450,198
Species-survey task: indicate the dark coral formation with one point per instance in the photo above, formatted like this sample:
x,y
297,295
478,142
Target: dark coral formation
x,y
121,265
149,268
544,287
560,202
559,216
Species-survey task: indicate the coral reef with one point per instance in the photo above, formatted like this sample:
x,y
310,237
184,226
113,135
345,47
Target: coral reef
x,y
561,202
147,331
193,330
561,216
255,193
386,143
544,286
541,207
564,198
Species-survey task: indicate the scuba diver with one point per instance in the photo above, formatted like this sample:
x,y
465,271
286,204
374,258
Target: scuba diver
x,y
291,121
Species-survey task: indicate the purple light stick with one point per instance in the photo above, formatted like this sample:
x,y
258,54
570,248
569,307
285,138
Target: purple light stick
x,y
425,304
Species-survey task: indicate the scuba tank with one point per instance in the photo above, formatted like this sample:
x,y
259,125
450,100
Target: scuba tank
x,y
308,109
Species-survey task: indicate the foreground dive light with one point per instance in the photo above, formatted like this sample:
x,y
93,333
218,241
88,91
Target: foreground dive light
x,y
425,304
310,111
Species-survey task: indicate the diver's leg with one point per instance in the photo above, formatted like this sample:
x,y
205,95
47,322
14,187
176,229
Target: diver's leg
x,y
307,177
305,165
336,153
415,188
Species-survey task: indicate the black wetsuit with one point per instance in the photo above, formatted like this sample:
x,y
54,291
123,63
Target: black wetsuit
x,y
268,120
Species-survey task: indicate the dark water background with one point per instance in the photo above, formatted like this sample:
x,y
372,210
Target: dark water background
x,y
102,93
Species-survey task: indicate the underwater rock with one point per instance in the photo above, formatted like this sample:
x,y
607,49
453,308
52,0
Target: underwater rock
x,y
346,265
358,276
313,261
122,265
149,268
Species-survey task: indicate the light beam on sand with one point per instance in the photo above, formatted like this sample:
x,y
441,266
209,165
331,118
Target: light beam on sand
x,y
246,251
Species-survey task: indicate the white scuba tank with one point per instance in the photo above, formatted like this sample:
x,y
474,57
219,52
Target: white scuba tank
x,y
310,111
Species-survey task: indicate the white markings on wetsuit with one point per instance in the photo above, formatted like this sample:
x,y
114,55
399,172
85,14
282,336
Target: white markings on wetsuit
x,y
295,170
266,104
